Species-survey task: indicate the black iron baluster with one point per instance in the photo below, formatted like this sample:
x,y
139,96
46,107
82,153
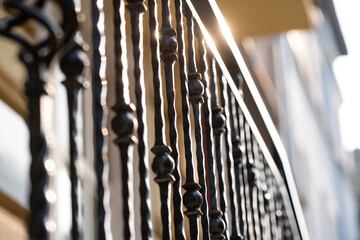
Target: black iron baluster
x,y
254,184
250,179
72,65
260,212
217,225
192,197
271,202
196,90
163,163
203,68
229,161
278,211
262,197
218,122
168,46
38,147
265,197
136,8
98,81
245,187
287,235
124,123
237,155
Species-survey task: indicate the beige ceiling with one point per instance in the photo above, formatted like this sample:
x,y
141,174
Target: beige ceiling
x,y
265,17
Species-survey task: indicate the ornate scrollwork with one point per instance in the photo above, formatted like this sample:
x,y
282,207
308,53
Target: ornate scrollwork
x,y
37,58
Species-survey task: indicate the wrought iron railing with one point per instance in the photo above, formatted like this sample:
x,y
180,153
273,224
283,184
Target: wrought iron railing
x,y
237,180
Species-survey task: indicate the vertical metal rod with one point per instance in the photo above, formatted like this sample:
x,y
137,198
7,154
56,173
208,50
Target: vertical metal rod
x,y
195,97
163,164
288,235
72,65
196,90
272,211
38,148
278,211
218,122
98,81
237,154
259,200
124,123
250,177
168,46
229,159
192,197
136,9
217,225
240,119
265,195
262,189
254,191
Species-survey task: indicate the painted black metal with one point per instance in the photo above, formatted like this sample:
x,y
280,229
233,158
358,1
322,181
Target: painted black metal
x,y
229,159
243,170
163,163
218,122
124,123
196,90
168,47
72,65
252,180
271,202
262,188
98,114
136,9
217,225
192,198
257,206
254,191
237,154
38,148
37,58
249,178
279,212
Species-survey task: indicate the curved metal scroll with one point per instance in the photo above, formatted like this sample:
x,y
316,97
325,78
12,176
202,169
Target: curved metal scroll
x,y
37,58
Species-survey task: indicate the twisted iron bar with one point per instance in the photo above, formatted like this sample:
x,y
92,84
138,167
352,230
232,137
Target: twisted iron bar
x,y
136,9
217,225
99,91
164,165
196,90
229,159
251,180
192,197
124,123
237,154
218,122
260,190
72,65
265,195
254,182
168,47
247,201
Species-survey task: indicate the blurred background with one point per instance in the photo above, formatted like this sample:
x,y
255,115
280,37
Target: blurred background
x,y
304,56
